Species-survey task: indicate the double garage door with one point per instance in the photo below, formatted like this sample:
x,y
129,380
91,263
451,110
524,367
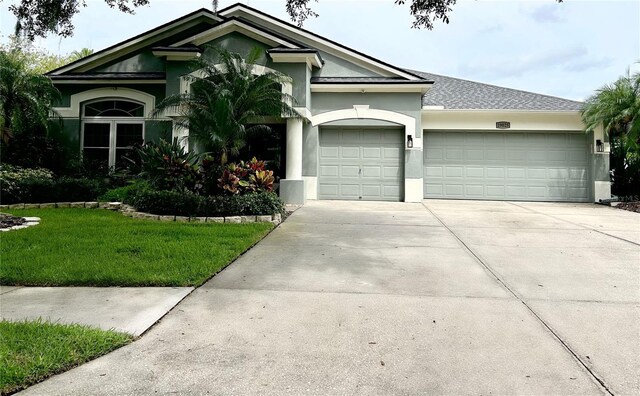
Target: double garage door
x,y
361,164
506,166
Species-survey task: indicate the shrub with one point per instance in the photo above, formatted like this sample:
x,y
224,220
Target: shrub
x,y
32,150
124,194
39,185
167,202
189,204
210,171
168,166
78,189
625,170
246,177
16,183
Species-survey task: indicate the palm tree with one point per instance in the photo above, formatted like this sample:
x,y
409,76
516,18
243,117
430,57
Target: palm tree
x,y
26,97
616,107
225,98
82,53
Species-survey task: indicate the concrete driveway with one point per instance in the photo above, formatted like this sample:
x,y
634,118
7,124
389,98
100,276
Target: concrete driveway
x,y
449,297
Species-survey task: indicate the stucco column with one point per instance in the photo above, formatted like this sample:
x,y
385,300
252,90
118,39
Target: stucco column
x,y
292,187
294,149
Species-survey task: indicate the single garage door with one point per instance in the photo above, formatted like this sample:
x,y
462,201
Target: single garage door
x,y
514,166
361,164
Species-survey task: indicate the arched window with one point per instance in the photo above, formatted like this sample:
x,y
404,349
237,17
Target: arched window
x,y
110,128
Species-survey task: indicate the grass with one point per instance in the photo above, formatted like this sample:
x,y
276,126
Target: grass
x,y
94,247
33,351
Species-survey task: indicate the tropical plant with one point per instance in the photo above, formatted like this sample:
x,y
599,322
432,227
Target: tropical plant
x,y
82,53
225,97
616,107
26,97
246,177
168,166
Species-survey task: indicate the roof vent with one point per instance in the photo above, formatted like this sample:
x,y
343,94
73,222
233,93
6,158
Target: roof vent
x,y
503,125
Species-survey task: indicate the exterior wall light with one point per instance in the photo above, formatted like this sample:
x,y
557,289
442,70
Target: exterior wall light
x,y
599,146
409,141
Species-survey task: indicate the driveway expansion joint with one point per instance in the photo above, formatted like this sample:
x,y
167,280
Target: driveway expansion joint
x,y
13,288
509,289
359,293
575,224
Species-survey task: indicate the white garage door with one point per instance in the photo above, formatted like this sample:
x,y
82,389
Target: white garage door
x,y
361,164
514,166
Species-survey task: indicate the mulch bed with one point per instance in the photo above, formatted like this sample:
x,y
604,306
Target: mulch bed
x,y
630,206
8,221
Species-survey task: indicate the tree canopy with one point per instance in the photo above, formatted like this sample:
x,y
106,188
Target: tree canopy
x,y
39,18
26,97
36,59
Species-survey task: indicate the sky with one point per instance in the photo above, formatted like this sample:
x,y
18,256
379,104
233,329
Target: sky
x,y
564,49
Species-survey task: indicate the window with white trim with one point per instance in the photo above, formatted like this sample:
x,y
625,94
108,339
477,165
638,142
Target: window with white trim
x,y
110,129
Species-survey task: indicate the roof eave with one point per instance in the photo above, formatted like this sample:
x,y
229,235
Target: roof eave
x,y
441,109
397,87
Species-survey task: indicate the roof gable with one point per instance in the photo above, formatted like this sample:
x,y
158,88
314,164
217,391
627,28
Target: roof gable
x,y
312,40
240,26
137,43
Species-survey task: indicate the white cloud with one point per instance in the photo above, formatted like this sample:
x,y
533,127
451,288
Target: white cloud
x,y
548,13
519,65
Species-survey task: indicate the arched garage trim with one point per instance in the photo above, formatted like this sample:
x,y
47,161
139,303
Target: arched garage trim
x,y
364,112
413,185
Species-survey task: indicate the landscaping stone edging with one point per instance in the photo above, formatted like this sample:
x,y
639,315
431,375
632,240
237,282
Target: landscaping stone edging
x,y
130,211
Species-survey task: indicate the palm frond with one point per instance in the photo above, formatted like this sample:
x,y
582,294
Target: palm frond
x,y
226,95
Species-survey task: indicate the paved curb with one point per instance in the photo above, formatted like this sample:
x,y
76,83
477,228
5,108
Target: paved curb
x,y
130,211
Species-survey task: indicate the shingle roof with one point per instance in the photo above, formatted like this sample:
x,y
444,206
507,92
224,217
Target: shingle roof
x,y
366,80
455,93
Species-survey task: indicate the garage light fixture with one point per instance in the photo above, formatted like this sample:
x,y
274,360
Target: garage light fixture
x,y
599,146
409,141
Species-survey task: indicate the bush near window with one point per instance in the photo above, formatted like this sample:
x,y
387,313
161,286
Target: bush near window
x,y
38,185
168,166
35,150
174,181
189,204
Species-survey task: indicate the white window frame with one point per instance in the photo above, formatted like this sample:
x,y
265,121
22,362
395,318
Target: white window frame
x,y
113,127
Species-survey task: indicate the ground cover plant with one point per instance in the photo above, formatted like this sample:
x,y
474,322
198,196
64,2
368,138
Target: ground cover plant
x,y
81,247
31,351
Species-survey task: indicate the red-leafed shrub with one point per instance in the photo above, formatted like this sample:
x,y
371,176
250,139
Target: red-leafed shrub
x,y
246,177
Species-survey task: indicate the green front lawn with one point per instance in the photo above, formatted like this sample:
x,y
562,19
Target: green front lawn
x,y
33,351
94,247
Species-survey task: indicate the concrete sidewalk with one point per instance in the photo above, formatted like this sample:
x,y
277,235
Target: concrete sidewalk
x,y
394,298
129,309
